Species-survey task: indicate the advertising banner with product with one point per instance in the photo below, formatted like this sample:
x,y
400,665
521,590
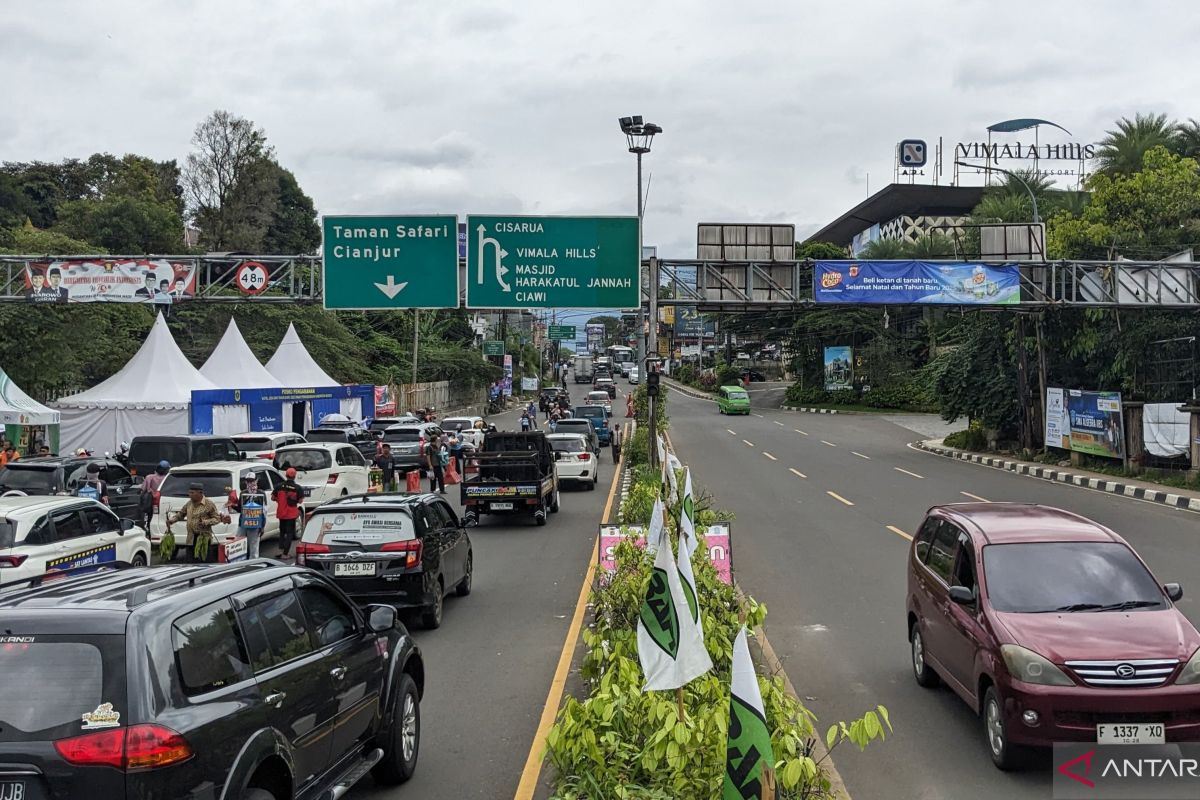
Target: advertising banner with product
x,y
690,324
718,538
839,368
1058,424
901,282
1096,424
506,381
118,280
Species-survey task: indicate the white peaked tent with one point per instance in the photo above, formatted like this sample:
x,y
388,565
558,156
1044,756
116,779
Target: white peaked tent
x,y
233,365
151,395
18,408
294,368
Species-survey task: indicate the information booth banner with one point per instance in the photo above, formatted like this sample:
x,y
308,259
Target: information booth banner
x,y
718,538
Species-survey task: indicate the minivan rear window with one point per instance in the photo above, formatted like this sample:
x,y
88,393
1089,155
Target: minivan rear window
x,y
363,528
51,682
255,444
572,445
153,452
403,435
303,460
327,436
216,484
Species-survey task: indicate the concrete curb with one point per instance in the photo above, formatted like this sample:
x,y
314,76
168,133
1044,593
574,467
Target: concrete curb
x,y
626,475
1060,475
689,391
807,410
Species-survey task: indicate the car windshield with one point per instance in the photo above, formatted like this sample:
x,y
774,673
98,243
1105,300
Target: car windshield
x,y
303,460
216,484
1039,577
254,444
403,435
454,422
575,423
33,703
335,435
28,478
572,445
590,411
152,452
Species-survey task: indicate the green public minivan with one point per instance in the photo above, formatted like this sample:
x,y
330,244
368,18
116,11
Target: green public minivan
x,y
733,400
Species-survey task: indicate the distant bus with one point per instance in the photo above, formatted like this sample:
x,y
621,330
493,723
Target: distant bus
x,y
620,354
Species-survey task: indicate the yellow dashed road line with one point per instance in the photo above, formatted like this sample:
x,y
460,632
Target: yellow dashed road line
x,y
768,455
797,472
899,532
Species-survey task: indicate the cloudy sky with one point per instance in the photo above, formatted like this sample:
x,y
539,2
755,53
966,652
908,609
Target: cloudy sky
x,y
773,111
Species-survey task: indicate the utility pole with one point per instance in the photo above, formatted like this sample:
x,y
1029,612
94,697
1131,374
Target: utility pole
x,y
652,366
416,341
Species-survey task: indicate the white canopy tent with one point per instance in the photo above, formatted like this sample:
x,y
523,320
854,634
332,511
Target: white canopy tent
x,y
18,408
233,365
151,395
294,368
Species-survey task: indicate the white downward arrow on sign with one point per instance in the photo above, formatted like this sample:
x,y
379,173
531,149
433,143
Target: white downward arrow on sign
x,y
391,288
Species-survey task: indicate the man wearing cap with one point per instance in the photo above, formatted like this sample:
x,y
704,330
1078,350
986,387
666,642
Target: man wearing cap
x,y
91,486
201,515
288,497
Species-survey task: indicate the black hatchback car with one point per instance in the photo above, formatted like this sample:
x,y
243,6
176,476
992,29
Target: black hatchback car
x,y
405,550
62,475
249,681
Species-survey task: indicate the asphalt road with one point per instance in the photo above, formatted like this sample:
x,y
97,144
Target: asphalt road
x,y
814,497
489,666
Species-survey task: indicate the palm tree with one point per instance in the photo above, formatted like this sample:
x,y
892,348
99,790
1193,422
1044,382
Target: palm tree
x,y
1187,139
933,245
1121,151
1003,207
882,249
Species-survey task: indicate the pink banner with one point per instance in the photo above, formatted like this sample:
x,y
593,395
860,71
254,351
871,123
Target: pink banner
x,y
718,537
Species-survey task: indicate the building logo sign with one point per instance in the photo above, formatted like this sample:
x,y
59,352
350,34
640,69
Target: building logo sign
x,y
994,152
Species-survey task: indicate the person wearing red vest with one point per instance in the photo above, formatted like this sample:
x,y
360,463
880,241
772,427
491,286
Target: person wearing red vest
x,y
288,497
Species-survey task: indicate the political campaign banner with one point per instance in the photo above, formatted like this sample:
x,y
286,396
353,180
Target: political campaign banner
x,y
839,368
718,539
1058,424
1096,424
529,384
117,280
901,282
506,384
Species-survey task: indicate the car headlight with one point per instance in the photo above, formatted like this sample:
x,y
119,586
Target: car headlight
x,y
1191,671
1026,665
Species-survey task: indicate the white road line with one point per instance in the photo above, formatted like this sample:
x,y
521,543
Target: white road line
x,y
975,497
748,444
731,433
797,472
760,416
860,455
802,433
839,498
898,532
777,422
906,472
831,444
768,455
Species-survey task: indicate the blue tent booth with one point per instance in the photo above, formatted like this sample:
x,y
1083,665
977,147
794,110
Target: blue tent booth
x,y
277,410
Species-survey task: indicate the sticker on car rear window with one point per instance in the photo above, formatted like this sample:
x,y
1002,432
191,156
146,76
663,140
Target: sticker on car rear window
x,y
16,639
103,717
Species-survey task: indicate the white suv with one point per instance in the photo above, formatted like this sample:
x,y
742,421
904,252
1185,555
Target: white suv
x,y
48,534
574,459
325,470
218,478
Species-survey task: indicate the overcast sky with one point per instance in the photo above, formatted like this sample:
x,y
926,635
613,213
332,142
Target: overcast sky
x,y
773,111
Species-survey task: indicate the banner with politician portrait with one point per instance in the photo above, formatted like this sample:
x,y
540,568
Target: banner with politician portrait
x,y
116,280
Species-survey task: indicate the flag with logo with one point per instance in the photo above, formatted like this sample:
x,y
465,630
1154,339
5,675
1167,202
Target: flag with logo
x,y
687,515
748,746
670,645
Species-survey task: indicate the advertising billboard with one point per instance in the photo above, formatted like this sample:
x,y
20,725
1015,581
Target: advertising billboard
x,y
718,538
103,280
1096,424
690,324
902,282
1058,424
839,368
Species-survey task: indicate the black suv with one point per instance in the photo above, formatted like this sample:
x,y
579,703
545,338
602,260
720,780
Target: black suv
x,y
248,681
62,475
146,451
356,435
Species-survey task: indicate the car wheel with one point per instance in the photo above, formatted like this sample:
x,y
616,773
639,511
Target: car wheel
x,y
404,739
464,586
1004,755
554,508
921,670
539,516
138,560
431,615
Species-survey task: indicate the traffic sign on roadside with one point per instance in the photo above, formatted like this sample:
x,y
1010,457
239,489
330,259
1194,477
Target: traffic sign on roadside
x,y
389,262
552,262
493,347
562,332
251,278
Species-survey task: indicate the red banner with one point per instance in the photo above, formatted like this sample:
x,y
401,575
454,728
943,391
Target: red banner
x,y
118,280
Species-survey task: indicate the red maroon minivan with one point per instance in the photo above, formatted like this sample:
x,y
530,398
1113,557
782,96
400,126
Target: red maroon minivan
x,y
1051,628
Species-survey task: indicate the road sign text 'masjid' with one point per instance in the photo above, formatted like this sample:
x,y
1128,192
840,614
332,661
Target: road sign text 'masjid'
x,y
383,262
538,262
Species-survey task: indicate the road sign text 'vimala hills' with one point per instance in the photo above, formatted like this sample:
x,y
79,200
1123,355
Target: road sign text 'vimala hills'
x,y
552,262
386,262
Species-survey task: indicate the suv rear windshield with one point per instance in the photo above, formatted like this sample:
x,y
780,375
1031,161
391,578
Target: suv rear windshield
x,y
50,682
339,435
403,435
29,478
359,528
601,396
453,422
572,445
1037,577
216,484
153,452
303,460
254,444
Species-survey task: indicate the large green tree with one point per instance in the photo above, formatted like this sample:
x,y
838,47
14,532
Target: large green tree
x,y
293,225
1123,150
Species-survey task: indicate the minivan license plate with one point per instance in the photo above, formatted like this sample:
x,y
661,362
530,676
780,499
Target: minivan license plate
x,y
13,790
355,569
1131,733
502,506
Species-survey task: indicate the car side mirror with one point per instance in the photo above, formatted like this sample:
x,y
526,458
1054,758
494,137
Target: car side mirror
x,y
1174,591
962,595
126,525
381,619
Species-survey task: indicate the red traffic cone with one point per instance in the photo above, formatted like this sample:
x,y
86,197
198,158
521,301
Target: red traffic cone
x,y
452,476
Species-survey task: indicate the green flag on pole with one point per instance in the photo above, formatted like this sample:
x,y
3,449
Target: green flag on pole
x,y
748,746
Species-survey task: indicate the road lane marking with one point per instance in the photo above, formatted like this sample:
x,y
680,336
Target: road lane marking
x,y
860,455
797,472
731,433
748,444
802,433
975,497
831,444
906,472
537,750
760,416
777,422
839,498
898,532
768,455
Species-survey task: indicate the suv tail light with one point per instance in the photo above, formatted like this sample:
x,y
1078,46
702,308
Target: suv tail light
x,y
413,548
309,548
585,456
134,748
12,561
333,476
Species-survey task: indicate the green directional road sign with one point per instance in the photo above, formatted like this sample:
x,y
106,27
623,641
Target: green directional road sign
x,y
375,263
552,262
493,347
562,332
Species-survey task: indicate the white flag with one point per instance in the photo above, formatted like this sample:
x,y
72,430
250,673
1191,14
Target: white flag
x,y
670,646
673,465
687,515
748,743
687,581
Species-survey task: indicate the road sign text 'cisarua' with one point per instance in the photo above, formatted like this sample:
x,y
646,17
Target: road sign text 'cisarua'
x,y
386,262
